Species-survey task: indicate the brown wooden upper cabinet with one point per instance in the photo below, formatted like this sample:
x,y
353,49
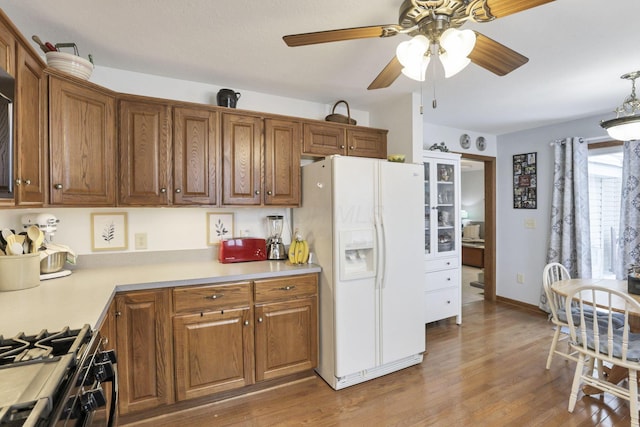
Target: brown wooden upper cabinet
x,y
23,158
324,139
167,153
254,173
195,152
82,142
241,159
144,152
282,162
31,152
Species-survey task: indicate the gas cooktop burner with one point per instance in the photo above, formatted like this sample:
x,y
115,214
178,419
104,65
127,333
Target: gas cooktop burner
x,y
23,348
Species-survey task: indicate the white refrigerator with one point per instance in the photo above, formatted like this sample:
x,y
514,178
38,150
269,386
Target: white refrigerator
x,y
363,219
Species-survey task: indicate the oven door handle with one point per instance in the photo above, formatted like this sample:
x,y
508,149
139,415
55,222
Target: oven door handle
x,y
113,409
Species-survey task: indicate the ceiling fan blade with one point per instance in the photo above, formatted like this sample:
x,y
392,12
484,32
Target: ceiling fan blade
x,y
388,75
336,35
495,57
500,8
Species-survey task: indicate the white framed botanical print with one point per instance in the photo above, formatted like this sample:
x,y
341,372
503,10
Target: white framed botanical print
x,y
109,231
219,227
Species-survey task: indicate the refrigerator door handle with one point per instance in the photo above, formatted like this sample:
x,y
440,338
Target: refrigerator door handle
x,y
382,256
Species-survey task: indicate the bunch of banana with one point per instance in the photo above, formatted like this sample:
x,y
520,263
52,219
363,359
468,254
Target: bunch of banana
x,y
299,250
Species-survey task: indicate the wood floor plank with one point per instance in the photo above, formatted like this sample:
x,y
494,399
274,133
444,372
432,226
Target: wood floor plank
x,y
490,371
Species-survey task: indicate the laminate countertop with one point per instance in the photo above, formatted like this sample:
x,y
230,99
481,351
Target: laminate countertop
x,y
84,296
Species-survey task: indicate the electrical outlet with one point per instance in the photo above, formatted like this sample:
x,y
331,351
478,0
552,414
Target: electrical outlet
x,y
530,223
520,278
141,240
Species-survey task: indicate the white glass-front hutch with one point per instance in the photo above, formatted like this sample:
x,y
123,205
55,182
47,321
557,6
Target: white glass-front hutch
x,y
442,236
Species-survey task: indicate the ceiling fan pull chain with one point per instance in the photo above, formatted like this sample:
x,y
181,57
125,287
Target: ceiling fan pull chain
x,y
434,103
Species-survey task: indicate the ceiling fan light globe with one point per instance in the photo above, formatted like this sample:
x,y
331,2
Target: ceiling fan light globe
x,y
411,52
453,64
458,42
417,71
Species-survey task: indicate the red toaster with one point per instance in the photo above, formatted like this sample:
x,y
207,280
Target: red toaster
x,y
242,250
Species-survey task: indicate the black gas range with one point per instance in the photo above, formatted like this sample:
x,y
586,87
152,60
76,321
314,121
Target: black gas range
x,y
56,379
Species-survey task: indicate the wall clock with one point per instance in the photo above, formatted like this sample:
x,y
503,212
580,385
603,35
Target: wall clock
x,y
481,144
465,141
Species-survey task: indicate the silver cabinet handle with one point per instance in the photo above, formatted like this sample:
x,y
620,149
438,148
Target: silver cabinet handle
x,y
18,181
118,313
58,186
163,190
287,288
27,181
246,323
259,319
269,193
178,190
342,146
257,192
351,147
214,296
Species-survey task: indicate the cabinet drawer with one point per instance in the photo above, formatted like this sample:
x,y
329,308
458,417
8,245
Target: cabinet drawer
x,y
441,279
442,263
211,297
285,288
441,304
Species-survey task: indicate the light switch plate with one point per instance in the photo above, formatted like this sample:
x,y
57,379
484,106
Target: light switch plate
x,y
141,240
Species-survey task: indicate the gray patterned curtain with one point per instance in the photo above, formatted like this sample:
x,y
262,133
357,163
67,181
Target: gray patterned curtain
x,y
569,239
629,242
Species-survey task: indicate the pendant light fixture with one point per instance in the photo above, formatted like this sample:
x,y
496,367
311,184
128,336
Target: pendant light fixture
x,y
626,125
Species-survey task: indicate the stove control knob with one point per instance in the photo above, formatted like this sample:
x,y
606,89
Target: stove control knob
x,y
92,400
104,371
108,355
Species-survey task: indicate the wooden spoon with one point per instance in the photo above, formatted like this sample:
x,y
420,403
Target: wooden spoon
x,y
36,236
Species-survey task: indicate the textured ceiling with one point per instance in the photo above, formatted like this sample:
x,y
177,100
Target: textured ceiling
x,y
577,49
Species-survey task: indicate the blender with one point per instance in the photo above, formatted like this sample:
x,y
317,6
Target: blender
x,y
275,248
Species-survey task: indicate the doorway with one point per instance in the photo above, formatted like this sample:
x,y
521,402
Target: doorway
x,y
489,253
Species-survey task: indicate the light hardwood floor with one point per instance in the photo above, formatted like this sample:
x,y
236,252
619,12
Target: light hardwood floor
x,y
490,371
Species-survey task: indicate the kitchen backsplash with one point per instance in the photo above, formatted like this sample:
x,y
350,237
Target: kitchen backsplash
x,y
163,229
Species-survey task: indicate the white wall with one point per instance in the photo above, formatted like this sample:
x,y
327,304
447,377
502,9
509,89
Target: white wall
x,y
403,119
435,134
520,249
182,90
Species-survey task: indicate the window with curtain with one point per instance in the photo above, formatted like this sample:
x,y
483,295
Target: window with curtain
x,y
605,180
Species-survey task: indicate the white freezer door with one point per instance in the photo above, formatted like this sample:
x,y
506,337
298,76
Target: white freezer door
x,y
356,333
401,201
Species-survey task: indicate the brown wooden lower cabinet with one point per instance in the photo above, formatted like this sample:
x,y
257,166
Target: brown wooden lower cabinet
x,y
143,344
286,326
224,337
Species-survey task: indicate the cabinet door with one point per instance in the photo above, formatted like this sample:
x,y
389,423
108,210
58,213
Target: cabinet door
x,y
442,207
194,156
367,143
31,110
82,144
145,157
323,140
213,351
241,159
7,48
145,363
282,162
286,338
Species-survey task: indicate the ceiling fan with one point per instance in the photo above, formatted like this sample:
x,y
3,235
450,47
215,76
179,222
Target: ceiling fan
x,y
429,22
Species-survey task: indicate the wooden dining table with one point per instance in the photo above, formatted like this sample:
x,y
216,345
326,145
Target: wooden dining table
x,y
566,287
